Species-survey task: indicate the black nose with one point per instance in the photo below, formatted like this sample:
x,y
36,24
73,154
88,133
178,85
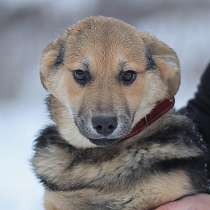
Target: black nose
x,y
104,125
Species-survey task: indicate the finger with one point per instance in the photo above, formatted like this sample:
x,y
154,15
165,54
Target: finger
x,y
169,206
198,202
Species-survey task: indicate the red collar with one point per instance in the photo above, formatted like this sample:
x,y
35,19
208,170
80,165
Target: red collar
x,y
160,109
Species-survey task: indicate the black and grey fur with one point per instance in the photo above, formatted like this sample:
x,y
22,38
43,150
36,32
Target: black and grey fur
x,y
175,147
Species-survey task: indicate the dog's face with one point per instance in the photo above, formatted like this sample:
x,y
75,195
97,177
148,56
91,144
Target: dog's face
x,y
106,76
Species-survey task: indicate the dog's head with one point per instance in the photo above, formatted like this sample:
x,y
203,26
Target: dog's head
x,y
105,76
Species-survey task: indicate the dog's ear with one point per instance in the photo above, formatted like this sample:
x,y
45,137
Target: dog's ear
x,y
52,58
166,60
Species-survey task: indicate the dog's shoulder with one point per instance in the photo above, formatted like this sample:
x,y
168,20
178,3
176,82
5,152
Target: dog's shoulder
x,y
177,128
50,136
176,145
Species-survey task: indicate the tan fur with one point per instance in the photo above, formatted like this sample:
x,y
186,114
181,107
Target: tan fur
x,y
167,61
59,159
107,45
158,190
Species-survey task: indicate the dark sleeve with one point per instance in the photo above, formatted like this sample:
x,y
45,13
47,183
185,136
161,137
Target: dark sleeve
x,y
198,108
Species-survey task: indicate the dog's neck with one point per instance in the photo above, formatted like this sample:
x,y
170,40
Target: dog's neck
x,y
145,127
156,113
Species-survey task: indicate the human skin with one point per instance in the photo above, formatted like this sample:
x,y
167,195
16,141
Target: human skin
x,y
197,202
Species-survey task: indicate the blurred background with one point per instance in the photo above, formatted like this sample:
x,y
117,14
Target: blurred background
x,y
26,26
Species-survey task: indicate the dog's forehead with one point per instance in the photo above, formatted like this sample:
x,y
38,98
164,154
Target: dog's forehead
x,y
104,39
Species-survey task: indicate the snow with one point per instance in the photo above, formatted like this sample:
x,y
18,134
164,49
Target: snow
x,y
19,188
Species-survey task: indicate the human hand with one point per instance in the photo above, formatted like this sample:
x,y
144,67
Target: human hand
x,y
196,202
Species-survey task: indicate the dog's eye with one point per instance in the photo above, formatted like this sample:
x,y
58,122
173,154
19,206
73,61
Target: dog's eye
x,y
81,77
127,77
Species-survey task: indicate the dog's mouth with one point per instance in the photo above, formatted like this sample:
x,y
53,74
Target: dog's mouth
x,y
105,136
160,109
104,141
104,131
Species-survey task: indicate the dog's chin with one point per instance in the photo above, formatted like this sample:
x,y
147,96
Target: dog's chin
x,y
103,142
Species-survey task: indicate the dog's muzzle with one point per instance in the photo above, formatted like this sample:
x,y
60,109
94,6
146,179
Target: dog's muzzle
x,y
103,130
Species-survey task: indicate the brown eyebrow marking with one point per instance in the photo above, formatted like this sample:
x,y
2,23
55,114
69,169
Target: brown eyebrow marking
x,y
122,65
83,64
86,63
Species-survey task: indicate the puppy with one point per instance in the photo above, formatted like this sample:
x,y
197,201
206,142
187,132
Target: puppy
x,y
114,143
